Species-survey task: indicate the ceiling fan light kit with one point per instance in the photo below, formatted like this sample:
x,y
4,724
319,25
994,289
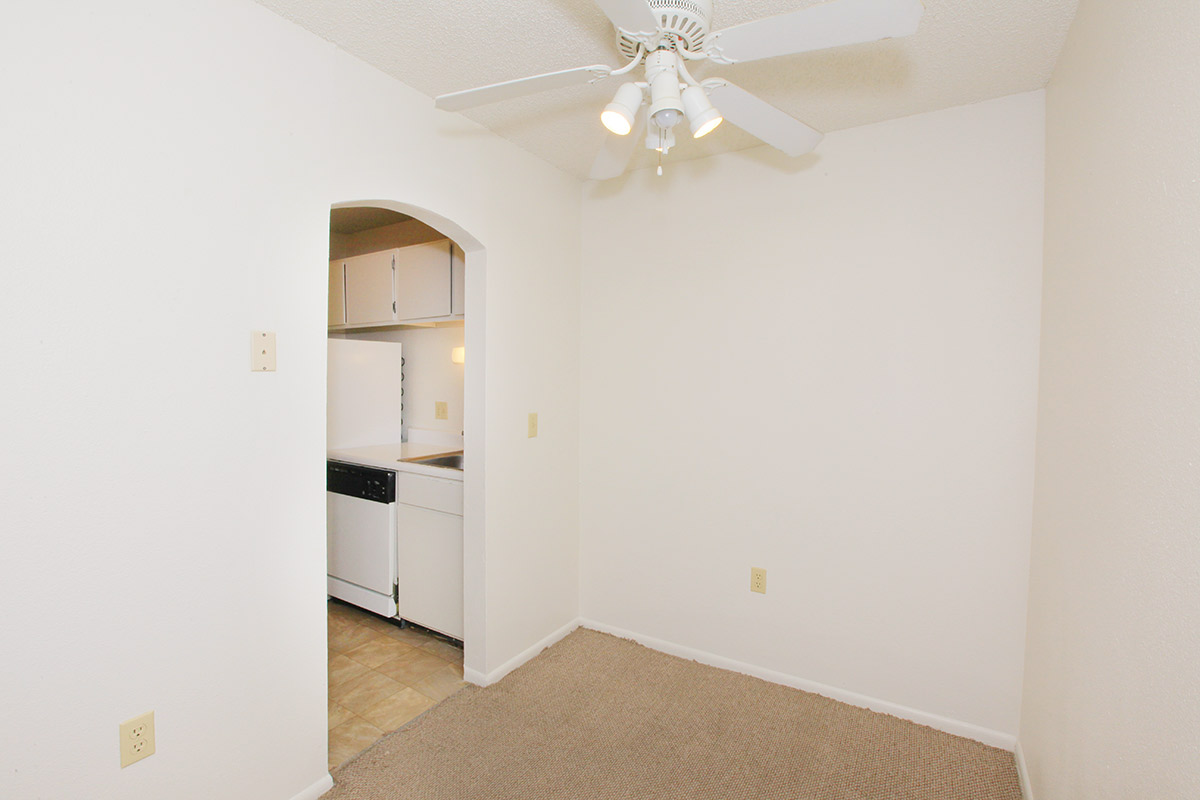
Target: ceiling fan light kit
x,y
665,34
666,106
703,118
659,139
618,116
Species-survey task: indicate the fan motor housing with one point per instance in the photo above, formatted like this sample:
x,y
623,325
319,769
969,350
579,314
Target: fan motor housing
x,y
682,25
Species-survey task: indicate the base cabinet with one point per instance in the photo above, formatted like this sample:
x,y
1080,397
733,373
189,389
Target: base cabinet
x,y
429,552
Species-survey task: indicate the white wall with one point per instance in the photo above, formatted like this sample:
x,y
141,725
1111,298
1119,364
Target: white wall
x,y
826,368
429,375
1111,704
168,171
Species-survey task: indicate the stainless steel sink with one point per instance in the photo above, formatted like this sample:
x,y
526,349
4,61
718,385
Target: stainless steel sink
x,y
452,461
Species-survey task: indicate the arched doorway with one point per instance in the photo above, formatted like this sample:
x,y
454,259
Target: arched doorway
x,y
473,257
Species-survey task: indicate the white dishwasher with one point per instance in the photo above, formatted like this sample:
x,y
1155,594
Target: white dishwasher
x,y
360,543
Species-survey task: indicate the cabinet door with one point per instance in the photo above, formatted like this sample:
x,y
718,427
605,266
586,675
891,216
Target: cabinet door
x,y
371,288
429,549
423,280
337,293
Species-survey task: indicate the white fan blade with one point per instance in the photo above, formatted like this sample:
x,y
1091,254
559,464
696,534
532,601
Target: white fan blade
x,y
469,98
832,24
617,152
634,16
763,120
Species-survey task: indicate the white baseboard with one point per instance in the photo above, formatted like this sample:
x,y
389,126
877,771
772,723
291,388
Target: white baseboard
x,y
317,789
1023,772
967,730
479,679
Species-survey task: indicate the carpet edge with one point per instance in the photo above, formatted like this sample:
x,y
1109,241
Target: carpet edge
x,y
966,730
528,654
318,788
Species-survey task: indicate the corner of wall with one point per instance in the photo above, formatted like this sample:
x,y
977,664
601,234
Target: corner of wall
x,y
1023,772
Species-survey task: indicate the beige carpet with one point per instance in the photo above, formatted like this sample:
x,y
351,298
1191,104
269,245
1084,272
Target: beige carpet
x,y
598,718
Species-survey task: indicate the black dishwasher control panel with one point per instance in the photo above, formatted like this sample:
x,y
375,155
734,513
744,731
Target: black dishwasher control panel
x,y
355,480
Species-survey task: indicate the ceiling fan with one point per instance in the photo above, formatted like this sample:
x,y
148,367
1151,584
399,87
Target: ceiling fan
x,y
666,34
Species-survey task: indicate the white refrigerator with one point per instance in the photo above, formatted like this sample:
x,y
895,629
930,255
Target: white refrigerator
x,y
364,393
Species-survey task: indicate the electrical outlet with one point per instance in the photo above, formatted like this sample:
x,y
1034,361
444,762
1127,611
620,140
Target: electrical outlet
x,y
532,424
758,580
441,410
137,738
262,351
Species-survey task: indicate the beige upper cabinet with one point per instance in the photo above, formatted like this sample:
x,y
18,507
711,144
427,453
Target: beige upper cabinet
x,y
337,293
390,287
371,288
423,280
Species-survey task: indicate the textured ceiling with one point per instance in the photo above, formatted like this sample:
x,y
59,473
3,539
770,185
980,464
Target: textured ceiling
x,y
965,51
355,220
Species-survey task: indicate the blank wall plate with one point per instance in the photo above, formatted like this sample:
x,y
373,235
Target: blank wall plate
x,y
262,351
532,424
137,738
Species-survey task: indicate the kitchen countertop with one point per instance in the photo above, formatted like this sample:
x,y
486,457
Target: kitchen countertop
x,y
390,456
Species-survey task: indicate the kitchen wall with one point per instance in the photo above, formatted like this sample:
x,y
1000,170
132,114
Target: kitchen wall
x,y
827,368
168,179
1111,706
429,375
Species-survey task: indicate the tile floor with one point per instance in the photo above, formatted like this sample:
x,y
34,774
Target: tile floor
x,y
381,676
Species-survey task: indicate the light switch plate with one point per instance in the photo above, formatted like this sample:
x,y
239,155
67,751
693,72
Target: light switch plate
x,y
262,351
441,410
532,424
